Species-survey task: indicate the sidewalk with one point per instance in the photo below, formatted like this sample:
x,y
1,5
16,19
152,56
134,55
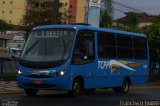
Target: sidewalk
x,y
9,87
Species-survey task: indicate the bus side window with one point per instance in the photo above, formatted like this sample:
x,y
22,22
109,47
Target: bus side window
x,y
140,48
84,48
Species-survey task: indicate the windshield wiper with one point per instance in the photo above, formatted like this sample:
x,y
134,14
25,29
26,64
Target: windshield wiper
x,y
31,47
64,50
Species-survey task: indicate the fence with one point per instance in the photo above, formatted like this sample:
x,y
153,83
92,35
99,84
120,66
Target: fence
x,y
7,68
154,75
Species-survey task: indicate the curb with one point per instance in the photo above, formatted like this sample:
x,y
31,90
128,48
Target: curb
x,y
143,87
153,83
11,92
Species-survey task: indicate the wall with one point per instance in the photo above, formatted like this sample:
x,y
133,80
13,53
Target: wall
x,y
12,10
80,16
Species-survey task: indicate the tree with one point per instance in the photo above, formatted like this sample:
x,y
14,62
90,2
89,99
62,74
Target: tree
x,y
109,6
4,26
64,14
153,33
41,12
130,22
106,20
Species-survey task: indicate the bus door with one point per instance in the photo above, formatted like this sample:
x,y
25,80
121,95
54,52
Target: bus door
x,y
83,59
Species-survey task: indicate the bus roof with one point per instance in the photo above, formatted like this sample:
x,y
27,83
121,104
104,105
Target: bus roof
x,y
80,27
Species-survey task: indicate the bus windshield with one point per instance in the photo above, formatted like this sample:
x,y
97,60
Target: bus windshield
x,y
48,45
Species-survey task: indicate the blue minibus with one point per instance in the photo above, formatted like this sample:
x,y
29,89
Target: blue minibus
x,y
81,58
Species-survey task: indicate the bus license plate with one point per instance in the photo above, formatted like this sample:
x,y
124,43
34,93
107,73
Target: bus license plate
x,y
37,82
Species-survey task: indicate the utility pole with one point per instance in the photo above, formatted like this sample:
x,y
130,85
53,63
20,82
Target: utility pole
x,y
94,12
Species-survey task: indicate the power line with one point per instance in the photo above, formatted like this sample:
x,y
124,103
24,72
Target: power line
x,y
119,10
126,6
113,8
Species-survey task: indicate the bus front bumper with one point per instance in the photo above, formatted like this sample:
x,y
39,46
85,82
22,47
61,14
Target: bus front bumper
x,y
57,83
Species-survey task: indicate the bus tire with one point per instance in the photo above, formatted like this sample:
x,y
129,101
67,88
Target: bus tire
x,y
77,88
30,92
124,89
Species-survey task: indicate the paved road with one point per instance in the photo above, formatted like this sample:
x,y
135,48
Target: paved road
x,y
100,98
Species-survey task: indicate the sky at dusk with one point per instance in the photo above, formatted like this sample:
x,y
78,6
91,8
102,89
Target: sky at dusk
x,y
149,6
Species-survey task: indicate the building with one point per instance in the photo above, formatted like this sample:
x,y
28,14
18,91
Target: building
x,y
143,19
17,39
3,39
40,12
64,13
77,9
12,11
74,9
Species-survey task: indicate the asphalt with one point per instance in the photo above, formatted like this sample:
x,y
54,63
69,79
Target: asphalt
x,y
11,87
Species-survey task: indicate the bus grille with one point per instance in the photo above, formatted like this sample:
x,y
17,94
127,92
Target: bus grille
x,y
39,85
39,76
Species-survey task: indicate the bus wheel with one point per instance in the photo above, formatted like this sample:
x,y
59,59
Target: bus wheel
x,y
31,92
124,89
76,88
125,86
89,91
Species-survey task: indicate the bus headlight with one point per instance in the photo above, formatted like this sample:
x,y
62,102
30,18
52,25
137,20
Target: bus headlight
x,y
19,72
61,73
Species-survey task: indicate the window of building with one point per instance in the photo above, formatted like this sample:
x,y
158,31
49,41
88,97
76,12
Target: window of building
x,y
10,11
66,4
36,5
28,13
60,4
3,11
11,2
28,3
140,47
106,45
70,6
10,21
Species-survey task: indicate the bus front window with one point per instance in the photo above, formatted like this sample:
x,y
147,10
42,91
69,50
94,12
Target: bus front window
x,y
48,45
